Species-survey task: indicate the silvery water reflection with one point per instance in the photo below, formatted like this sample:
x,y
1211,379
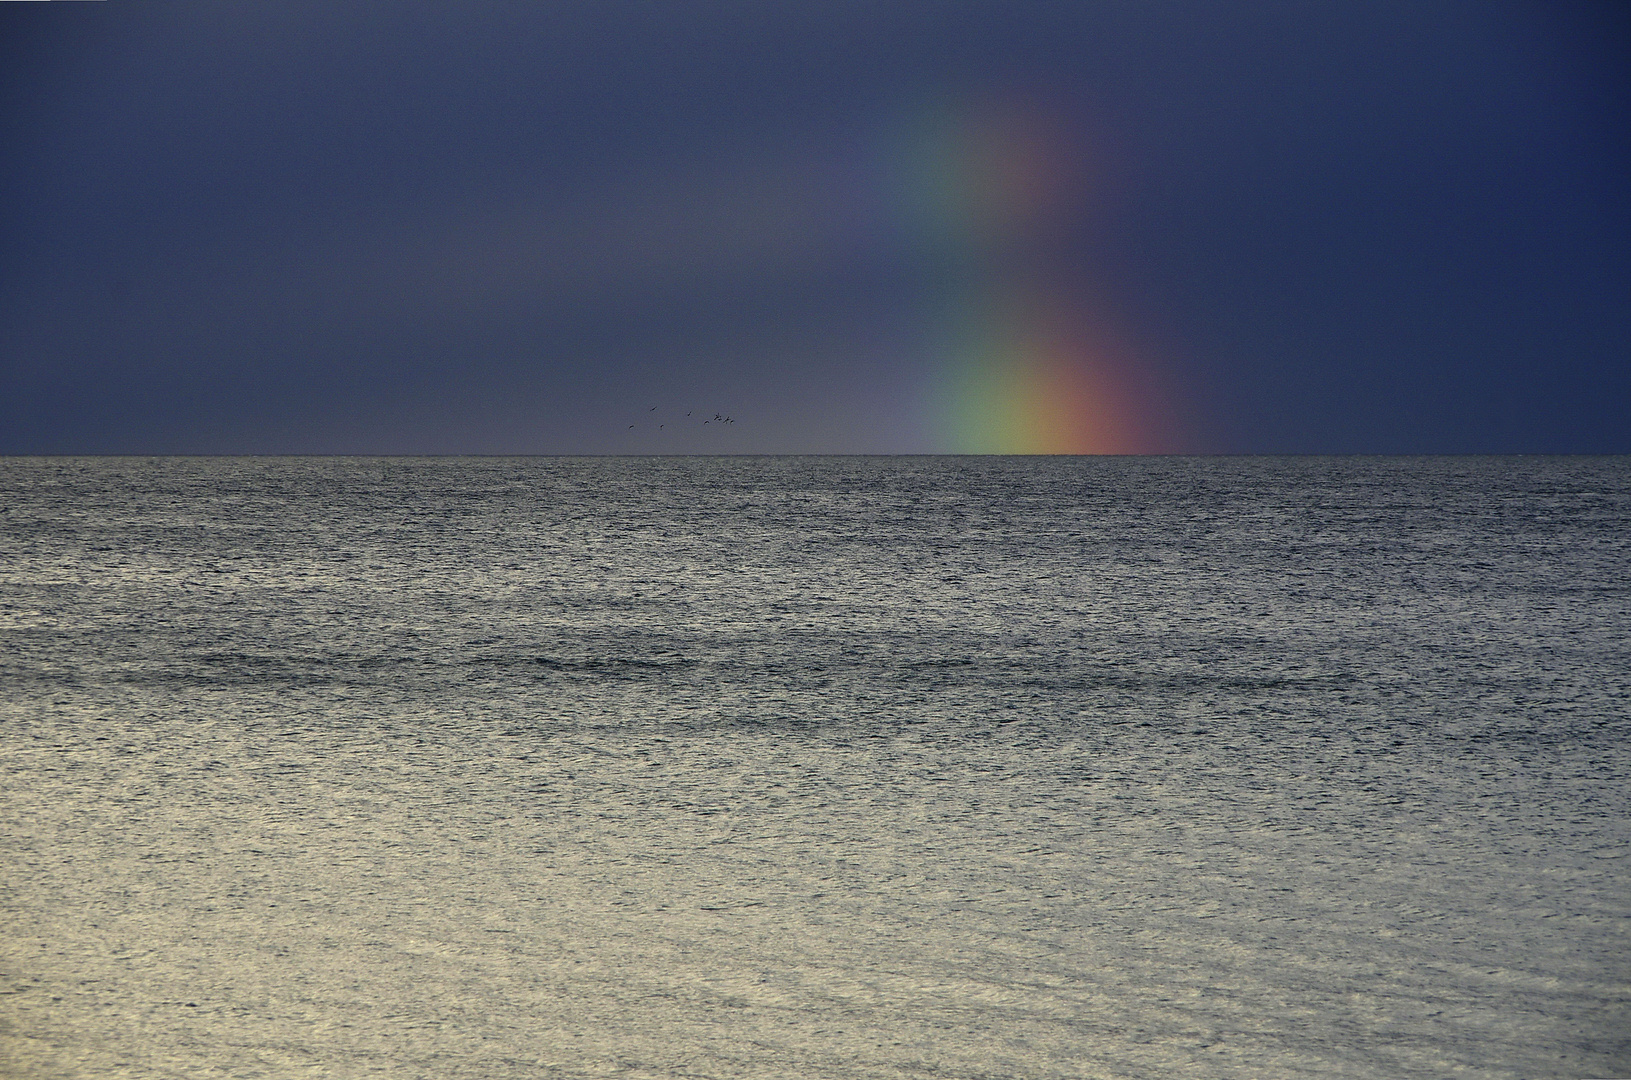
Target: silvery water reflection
x,y
816,767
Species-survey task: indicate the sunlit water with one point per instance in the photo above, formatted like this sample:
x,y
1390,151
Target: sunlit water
x,y
816,768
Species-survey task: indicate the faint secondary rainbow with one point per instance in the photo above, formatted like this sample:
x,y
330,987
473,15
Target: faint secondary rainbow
x,y
1022,361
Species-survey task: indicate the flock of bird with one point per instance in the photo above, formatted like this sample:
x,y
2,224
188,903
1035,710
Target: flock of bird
x,y
717,418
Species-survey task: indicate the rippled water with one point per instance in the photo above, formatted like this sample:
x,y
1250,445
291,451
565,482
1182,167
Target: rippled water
x,y
816,767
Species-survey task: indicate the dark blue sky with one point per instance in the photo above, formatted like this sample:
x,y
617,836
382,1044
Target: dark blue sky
x,y
443,228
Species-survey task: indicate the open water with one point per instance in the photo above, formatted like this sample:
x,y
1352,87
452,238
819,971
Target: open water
x,y
815,768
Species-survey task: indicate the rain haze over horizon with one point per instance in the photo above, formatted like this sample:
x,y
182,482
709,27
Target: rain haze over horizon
x,y
891,228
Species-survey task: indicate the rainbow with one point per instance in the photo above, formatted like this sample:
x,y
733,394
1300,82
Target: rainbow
x,y
1019,365
1025,384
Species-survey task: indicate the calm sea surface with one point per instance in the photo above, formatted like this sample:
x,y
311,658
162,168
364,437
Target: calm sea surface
x,y
815,768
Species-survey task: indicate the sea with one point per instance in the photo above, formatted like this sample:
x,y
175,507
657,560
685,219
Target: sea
x,y
938,768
